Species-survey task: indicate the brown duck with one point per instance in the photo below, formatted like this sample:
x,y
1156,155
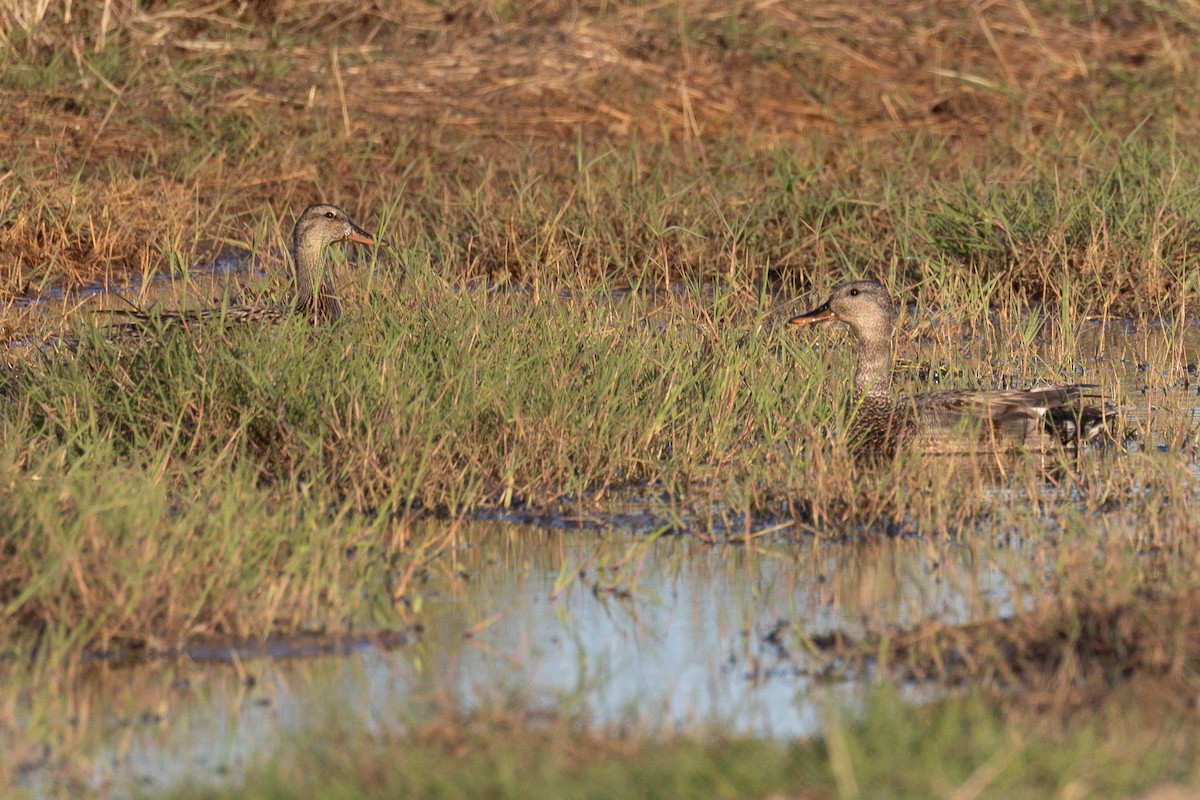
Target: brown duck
x,y
955,421
318,227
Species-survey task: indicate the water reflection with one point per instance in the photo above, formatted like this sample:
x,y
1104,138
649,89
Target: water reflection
x,y
225,264
672,633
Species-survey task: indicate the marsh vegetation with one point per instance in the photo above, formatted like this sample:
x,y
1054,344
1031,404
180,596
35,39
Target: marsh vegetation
x,y
602,215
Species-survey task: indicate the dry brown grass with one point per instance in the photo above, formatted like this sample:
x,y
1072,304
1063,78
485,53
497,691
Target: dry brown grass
x,y
211,115
679,70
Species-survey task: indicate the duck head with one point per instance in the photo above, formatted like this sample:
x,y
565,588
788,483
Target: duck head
x,y
863,305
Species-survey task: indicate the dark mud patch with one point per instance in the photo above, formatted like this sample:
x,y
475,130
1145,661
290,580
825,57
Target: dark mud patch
x,y
1057,661
652,516
217,649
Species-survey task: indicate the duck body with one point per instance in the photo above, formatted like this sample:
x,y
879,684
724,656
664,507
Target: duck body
x,y
953,421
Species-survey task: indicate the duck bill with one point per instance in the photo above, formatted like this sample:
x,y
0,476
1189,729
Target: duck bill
x,y
357,234
822,313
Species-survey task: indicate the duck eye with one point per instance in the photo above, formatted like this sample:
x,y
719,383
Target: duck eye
x,y
329,215
854,292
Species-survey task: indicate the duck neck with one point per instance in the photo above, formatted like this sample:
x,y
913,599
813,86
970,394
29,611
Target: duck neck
x,y
873,377
317,304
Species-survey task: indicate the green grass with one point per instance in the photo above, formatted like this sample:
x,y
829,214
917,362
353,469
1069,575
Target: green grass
x,y
112,553
953,748
440,400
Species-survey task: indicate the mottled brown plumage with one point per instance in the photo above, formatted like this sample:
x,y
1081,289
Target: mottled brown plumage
x,y
317,228
955,421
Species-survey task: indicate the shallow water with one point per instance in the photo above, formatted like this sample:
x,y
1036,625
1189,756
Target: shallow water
x,y
669,633
227,264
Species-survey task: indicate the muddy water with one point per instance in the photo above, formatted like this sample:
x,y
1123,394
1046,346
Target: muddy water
x,y
619,626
